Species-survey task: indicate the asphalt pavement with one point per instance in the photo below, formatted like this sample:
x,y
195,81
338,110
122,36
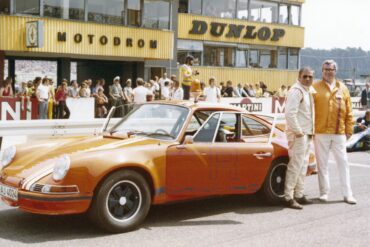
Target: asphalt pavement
x,y
223,221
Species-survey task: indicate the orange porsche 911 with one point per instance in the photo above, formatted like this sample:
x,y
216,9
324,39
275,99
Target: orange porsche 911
x,y
159,153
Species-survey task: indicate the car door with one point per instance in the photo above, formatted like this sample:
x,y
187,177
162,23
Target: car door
x,y
188,165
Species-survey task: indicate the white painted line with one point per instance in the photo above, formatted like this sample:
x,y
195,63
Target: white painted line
x,y
353,164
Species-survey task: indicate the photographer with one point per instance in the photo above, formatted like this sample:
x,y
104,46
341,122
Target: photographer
x,y
187,74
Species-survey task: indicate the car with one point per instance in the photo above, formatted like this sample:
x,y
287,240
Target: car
x,y
161,152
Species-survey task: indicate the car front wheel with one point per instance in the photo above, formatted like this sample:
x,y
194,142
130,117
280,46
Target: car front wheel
x,y
121,202
273,186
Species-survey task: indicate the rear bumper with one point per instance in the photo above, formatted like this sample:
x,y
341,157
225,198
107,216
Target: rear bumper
x,y
50,204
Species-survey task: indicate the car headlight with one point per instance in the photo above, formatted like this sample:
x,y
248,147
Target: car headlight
x,y
8,156
61,167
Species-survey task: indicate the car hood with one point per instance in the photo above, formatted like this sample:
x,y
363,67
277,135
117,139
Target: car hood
x,y
33,156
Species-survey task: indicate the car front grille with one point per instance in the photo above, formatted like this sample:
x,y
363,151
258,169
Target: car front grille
x,y
37,187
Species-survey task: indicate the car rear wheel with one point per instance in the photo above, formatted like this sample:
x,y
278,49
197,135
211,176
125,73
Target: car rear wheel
x,y
273,186
121,202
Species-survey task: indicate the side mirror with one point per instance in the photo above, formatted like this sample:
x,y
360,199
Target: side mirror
x,y
188,140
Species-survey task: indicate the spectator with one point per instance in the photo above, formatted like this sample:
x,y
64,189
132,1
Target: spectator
x,y
178,92
43,95
140,92
128,92
61,99
250,91
31,89
51,106
117,97
212,93
281,92
155,88
101,101
36,83
23,93
73,89
222,88
166,90
229,91
88,88
365,96
259,91
6,90
83,92
263,86
239,91
163,79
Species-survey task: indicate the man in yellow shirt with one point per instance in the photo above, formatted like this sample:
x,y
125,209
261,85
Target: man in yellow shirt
x,y
333,126
187,75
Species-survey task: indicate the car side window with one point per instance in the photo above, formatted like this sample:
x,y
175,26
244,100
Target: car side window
x,y
228,127
251,127
207,132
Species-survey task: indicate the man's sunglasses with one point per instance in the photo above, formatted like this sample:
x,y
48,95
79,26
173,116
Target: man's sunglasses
x,y
307,77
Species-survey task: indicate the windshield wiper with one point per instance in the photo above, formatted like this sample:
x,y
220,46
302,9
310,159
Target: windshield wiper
x,y
160,134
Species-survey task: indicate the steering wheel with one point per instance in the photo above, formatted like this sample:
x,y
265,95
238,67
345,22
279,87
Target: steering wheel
x,y
161,131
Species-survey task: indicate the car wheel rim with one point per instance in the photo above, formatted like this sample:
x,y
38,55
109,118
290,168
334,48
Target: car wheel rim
x,y
123,201
277,180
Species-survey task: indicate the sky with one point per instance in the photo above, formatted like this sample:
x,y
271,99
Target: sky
x,y
336,24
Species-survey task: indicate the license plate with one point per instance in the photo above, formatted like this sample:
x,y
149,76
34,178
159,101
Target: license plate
x,y
9,192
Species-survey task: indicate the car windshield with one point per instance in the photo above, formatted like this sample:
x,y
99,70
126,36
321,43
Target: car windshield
x,y
154,120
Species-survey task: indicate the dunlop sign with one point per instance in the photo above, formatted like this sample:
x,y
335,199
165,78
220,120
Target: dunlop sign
x,y
236,31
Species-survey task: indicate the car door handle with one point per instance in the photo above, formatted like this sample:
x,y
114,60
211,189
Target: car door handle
x,y
180,147
261,155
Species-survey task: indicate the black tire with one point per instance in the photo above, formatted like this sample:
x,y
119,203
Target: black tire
x,y
121,202
272,189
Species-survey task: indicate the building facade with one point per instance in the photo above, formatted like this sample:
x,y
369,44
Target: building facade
x,y
245,41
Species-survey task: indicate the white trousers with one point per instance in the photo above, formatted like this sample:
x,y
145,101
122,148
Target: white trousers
x,y
324,143
299,151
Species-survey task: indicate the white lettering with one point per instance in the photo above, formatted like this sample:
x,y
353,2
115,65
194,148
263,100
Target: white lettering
x,y
15,114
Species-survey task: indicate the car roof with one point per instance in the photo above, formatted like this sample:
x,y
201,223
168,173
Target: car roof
x,y
200,105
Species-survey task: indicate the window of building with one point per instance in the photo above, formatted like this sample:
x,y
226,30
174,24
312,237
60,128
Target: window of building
x,y
293,58
282,59
73,74
181,56
4,7
263,11
29,7
54,8
283,14
108,11
254,61
27,70
133,13
218,56
76,10
242,10
295,15
183,6
219,8
241,58
195,7
156,14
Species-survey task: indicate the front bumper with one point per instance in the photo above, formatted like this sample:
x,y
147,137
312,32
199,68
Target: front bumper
x,y
50,204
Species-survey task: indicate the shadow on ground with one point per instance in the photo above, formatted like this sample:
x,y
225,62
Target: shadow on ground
x,y
19,226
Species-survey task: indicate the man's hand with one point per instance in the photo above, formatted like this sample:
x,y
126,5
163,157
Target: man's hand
x,y
348,136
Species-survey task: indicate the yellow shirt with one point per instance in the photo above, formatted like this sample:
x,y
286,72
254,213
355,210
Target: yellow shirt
x,y
333,109
187,74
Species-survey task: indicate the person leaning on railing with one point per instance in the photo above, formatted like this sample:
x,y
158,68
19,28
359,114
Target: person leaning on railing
x,y
6,90
61,98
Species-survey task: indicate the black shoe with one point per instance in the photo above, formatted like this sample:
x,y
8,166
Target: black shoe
x,y
293,204
303,200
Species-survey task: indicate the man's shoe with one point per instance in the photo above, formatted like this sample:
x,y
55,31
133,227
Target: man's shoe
x,y
350,200
293,204
303,200
323,198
